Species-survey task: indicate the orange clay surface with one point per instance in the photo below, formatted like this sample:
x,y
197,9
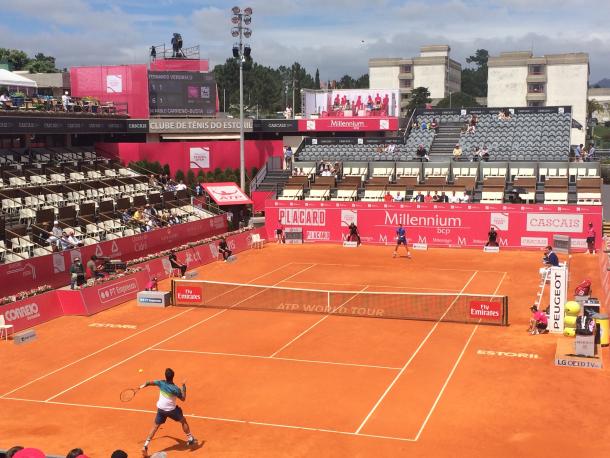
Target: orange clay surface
x,y
279,384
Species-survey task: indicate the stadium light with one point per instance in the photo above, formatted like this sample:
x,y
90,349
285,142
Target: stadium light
x,y
241,51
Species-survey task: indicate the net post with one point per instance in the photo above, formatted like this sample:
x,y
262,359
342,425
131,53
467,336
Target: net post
x,y
328,301
505,311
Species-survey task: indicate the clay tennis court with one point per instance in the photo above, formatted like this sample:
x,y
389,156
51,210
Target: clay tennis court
x,y
268,383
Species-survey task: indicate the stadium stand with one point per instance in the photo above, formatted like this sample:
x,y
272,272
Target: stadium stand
x,y
92,198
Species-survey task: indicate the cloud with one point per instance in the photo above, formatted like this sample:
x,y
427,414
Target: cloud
x,y
324,34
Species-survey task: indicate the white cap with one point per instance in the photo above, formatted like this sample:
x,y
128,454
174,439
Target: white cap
x,y
55,222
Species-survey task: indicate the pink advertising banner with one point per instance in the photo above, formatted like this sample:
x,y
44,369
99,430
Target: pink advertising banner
x,y
352,124
53,269
438,225
31,312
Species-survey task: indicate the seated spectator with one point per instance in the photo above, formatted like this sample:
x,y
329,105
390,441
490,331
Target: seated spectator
x,y
421,153
199,190
415,125
126,216
56,234
476,154
418,198
471,129
453,198
398,198
391,148
436,197
68,242
484,153
152,182
150,211
457,152
424,125
474,120
388,197
180,186
5,100
378,149
444,198
434,125
428,197
465,198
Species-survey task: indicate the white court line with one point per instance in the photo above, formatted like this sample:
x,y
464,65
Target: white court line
x,y
371,286
385,393
317,322
228,420
146,349
119,341
96,352
385,267
440,394
276,358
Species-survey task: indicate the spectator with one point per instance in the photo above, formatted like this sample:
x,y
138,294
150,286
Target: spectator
x,y
421,153
398,197
436,197
591,153
415,125
387,197
465,197
77,273
443,198
94,268
428,198
67,242
74,453
424,125
288,157
434,125
199,190
453,198
11,451
419,197
56,234
457,152
476,154
5,100
484,153
538,322
65,101
152,181
118,454
180,186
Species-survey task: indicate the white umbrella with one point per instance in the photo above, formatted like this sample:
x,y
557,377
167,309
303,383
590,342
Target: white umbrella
x,y
12,79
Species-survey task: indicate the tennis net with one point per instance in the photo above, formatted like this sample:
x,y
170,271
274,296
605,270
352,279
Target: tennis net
x,y
450,307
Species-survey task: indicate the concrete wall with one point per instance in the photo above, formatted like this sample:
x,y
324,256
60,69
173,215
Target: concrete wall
x,y
432,77
384,77
567,85
507,87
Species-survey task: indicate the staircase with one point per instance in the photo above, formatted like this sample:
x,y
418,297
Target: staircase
x,y
444,141
274,181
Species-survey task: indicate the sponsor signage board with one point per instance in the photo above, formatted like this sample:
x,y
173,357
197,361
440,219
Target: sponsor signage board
x,y
226,193
201,126
436,225
188,294
485,310
557,298
275,125
181,93
53,125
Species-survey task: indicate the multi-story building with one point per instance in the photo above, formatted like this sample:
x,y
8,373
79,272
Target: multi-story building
x,y
602,97
518,79
433,69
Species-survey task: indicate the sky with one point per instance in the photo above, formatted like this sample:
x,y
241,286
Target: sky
x,y
336,36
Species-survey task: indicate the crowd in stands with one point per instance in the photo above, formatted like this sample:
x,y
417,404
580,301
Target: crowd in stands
x,y
432,125
67,103
19,451
429,197
329,169
374,106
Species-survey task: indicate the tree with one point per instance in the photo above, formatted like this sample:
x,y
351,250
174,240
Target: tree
x,y
458,100
316,81
474,80
420,96
346,82
190,178
592,107
16,59
363,82
179,176
42,64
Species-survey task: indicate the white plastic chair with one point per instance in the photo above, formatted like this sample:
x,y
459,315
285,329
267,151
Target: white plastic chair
x,y
4,327
257,242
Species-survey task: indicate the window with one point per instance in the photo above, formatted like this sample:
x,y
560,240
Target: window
x,y
536,69
535,103
406,84
536,88
405,69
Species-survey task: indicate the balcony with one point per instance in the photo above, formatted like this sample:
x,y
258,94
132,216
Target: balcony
x,y
405,76
536,78
536,96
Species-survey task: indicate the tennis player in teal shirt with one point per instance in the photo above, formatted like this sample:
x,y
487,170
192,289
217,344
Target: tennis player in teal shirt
x,y
167,408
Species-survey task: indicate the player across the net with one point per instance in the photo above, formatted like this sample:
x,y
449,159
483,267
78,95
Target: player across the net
x,y
451,307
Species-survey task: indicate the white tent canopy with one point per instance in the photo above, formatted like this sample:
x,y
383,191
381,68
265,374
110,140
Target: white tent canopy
x,y
12,79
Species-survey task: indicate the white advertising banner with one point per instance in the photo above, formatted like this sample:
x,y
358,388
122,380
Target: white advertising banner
x,y
114,84
553,222
200,158
557,298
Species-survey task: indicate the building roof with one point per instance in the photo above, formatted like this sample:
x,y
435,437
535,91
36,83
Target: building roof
x,y
51,80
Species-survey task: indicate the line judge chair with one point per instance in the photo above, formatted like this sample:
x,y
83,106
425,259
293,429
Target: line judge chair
x,y
4,328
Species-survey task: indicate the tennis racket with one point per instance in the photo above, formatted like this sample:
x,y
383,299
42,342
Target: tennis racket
x,y
128,394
